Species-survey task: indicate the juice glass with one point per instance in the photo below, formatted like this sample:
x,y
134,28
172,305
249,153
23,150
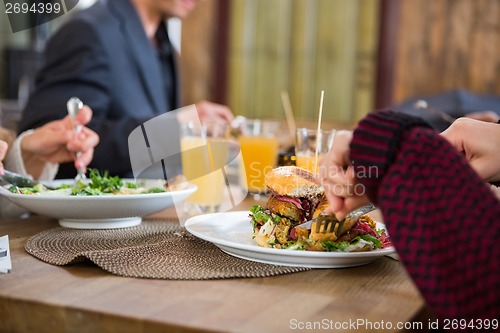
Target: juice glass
x,y
204,152
307,143
259,148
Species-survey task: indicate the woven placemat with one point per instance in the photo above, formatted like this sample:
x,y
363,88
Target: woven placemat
x,y
154,249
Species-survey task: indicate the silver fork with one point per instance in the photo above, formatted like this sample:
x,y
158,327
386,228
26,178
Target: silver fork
x,y
327,223
74,105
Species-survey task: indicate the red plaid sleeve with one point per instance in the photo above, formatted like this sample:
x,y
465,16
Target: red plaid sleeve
x,y
442,218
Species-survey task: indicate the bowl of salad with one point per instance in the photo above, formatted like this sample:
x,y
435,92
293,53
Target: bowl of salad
x,y
99,202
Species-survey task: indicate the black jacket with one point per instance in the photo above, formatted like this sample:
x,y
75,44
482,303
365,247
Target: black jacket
x,y
102,56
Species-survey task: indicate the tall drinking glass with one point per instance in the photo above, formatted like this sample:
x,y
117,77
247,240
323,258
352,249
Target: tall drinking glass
x,y
307,143
259,148
204,152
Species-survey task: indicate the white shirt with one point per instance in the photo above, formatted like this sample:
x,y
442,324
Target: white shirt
x,y
14,162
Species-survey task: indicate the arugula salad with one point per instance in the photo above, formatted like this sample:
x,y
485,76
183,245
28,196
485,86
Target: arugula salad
x,y
97,184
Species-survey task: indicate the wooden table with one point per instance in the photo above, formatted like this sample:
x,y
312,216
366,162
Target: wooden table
x,y
38,297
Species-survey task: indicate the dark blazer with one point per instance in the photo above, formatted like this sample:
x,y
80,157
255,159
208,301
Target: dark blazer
x,y
102,56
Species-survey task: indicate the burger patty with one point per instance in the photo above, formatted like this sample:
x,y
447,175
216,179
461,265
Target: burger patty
x,y
285,209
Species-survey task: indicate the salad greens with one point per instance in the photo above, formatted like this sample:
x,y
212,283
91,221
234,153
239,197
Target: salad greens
x,y
263,220
102,183
356,242
98,184
261,215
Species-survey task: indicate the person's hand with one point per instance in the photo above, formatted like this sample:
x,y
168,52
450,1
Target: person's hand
x,y
56,142
337,176
496,191
208,111
479,141
489,116
3,151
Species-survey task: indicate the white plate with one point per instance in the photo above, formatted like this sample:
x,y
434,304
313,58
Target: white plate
x,y
232,232
99,212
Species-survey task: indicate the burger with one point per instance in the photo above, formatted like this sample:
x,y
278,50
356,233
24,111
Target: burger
x,y
296,197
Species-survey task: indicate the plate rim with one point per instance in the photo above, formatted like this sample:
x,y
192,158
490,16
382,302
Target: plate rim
x,y
190,187
98,212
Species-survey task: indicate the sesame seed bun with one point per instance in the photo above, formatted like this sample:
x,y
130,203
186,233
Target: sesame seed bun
x,y
294,182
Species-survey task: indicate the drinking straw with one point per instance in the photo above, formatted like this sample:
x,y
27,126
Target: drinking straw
x,y
290,119
318,132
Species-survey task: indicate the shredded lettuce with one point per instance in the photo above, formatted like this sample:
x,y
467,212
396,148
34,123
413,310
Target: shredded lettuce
x,y
27,190
130,185
154,190
369,238
330,246
261,215
295,246
87,191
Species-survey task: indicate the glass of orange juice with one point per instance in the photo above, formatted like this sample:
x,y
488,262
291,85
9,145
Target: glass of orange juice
x,y
259,149
204,153
307,143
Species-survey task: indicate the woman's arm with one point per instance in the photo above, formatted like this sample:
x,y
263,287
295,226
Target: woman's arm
x,y
7,208
442,218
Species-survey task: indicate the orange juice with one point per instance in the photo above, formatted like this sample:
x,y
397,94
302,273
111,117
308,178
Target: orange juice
x,y
198,168
260,154
306,161
307,142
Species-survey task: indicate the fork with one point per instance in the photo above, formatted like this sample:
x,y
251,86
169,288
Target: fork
x,y
328,223
74,105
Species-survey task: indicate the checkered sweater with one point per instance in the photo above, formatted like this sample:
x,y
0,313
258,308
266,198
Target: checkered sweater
x,y
443,219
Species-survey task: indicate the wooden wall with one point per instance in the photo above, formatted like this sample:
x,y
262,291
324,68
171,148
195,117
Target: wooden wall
x,y
303,47
446,44
199,39
298,46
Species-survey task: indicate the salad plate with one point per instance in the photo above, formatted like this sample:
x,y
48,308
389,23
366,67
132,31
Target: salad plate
x,y
98,211
232,233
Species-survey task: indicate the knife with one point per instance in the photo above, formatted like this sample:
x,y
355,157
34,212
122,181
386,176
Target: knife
x,y
19,180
